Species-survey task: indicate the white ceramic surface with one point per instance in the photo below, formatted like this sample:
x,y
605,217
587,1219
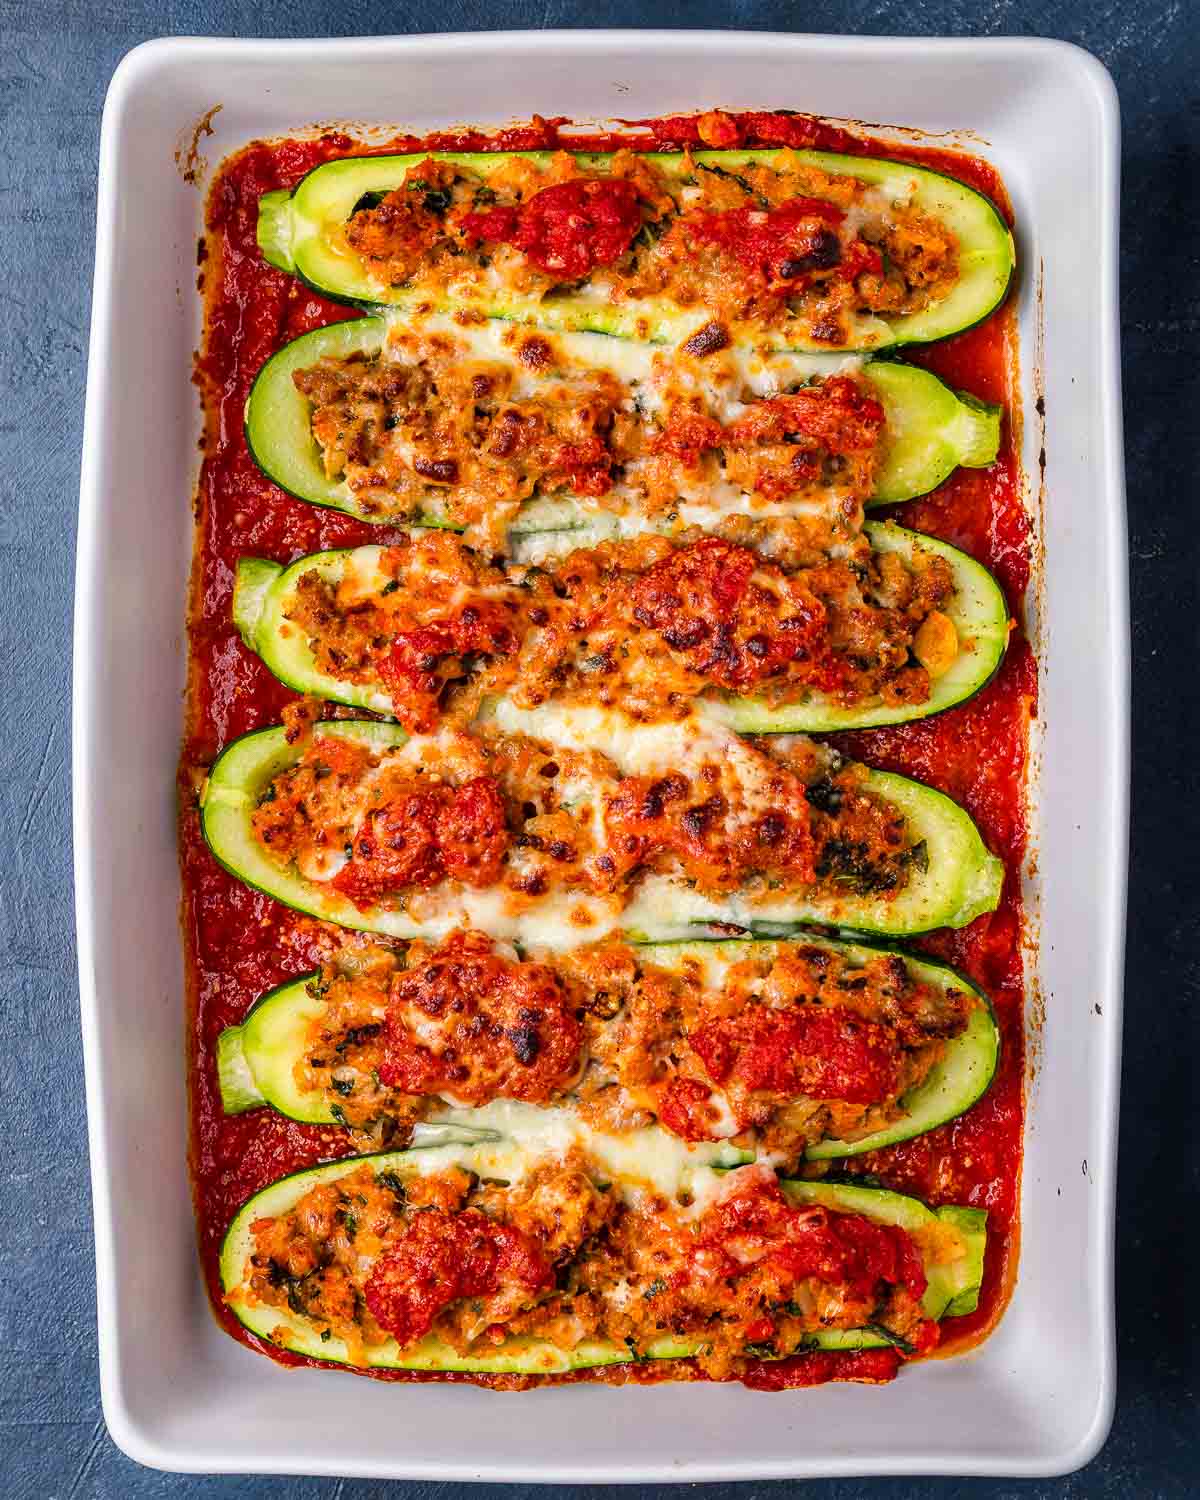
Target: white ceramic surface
x,y
179,1393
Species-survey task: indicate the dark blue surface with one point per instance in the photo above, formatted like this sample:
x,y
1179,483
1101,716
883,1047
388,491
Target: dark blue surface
x,y
55,62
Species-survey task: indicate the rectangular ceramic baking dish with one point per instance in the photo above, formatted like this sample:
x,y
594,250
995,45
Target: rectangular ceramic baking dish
x,y
178,1393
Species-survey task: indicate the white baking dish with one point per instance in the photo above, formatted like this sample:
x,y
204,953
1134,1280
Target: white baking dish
x,y
180,1394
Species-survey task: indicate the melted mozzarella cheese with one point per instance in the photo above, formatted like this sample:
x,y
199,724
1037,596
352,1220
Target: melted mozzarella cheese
x,y
558,920
637,749
653,749
723,377
362,576
648,1159
322,863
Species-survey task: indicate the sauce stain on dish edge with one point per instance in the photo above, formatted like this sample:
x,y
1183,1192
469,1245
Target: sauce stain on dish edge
x,y
191,162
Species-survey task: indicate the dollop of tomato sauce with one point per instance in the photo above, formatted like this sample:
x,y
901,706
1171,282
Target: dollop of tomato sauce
x,y
569,229
240,943
697,600
442,1257
487,1027
761,1225
685,1109
838,414
425,836
408,668
809,1050
784,245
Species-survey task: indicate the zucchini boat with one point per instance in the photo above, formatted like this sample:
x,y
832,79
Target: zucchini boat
x,y
289,1312
954,879
305,232
957,879
929,428
261,1061
265,599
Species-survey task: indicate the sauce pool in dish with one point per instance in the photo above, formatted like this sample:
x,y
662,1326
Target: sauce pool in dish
x,y
240,943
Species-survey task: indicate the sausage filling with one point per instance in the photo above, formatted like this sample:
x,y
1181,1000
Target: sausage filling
x,y
427,426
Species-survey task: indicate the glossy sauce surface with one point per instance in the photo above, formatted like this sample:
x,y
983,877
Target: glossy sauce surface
x,y
240,943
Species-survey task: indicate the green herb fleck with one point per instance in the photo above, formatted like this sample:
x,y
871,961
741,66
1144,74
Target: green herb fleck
x,y
357,1035
735,177
892,1337
763,1350
435,201
395,1186
849,863
650,233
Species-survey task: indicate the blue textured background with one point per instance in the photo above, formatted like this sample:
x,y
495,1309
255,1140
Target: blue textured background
x,y
55,62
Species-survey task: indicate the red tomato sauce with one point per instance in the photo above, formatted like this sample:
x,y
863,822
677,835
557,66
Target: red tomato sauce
x,y
240,943
569,229
443,1257
788,244
809,1050
798,1243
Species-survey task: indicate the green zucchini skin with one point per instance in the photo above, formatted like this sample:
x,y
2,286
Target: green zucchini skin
x,y
294,236
932,428
256,1059
962,878
953,1286
274,229
263,592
